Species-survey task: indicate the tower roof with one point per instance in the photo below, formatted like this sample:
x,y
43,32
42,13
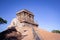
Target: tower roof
x,y
25,10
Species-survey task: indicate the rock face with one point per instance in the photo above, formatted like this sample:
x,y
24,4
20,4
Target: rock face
x,y
10,34
23,27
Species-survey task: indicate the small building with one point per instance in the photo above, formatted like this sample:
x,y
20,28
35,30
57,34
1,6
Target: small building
x,y
24,23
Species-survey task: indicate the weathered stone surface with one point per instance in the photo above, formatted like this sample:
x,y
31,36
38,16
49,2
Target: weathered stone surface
x,y
23,27
10,34
26,33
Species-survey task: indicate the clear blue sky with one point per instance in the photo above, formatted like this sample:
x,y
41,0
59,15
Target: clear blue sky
x,y
47,12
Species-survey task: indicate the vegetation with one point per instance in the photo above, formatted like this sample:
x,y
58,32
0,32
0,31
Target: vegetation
x,y
56,31
2,21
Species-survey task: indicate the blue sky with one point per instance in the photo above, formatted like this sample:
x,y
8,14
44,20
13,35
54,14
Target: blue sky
x,y
47,12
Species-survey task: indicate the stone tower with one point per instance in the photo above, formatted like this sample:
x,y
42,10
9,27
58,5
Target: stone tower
x,y
23,27
26,17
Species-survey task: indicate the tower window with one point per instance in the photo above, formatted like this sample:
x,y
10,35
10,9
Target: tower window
x,y
29,16
24,13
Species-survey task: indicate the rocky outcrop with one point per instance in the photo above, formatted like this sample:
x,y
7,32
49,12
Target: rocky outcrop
x,y
23,27
26,33
10,34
